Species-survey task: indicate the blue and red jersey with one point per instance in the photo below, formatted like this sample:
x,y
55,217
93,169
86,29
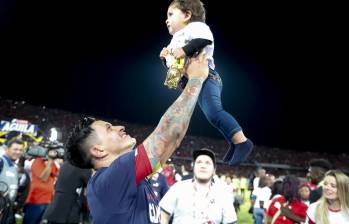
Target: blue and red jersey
x,y
121,193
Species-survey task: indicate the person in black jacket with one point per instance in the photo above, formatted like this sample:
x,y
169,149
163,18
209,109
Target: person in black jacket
x,y
317,170
67,203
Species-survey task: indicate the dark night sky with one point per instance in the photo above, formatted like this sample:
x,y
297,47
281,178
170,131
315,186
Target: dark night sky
x,y
280,64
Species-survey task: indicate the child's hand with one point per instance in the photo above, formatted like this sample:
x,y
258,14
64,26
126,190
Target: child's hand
x,y
178,53
164,52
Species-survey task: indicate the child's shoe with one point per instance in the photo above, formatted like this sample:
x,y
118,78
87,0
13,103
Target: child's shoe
x,y
238,153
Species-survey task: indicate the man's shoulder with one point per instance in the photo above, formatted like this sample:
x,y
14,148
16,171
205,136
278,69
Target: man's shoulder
x,y
184,184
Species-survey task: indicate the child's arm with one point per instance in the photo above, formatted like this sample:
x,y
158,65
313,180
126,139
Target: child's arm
x,y
194,46
164,52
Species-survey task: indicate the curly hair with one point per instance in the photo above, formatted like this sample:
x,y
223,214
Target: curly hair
x,y
321,163
196,7
290,186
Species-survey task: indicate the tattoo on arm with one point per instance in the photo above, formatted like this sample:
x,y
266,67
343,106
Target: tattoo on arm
x,y
173,124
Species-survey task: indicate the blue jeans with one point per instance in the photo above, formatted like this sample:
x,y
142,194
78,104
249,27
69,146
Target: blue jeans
x,y
258,215
211,105
33,213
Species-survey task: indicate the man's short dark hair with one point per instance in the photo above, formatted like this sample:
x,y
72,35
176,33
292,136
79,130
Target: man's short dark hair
x,y
14,141
320,163
76,151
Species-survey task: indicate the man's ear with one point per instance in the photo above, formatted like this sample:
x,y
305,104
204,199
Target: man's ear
x,y
97,152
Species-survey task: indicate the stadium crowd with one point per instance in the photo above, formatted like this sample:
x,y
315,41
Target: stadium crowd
x,y
279,165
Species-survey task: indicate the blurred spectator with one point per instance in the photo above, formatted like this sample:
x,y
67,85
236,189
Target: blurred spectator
x,y
317,170
262,195
47,118
169,172
9,175
260,172
186,175
200,200
23,186
304,193
67,203
41,188
288,208
333,207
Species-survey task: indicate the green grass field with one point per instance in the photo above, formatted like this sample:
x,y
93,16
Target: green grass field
x,y
243,216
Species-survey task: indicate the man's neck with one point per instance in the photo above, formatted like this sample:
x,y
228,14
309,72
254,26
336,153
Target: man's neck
x,y
109,159
104,162
202,187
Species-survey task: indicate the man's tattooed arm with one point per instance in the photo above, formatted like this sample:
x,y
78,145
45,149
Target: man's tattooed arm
x,y
173,125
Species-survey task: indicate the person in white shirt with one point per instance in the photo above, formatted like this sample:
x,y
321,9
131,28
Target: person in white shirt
x,y
333,206
262,194
198,200
260,172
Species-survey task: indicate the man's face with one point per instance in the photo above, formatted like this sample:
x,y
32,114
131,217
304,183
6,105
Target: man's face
x,y
314,173
203,168
113,139
14,151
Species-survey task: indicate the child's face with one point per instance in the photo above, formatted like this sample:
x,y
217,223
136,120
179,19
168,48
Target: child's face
x,y
304,193
176,19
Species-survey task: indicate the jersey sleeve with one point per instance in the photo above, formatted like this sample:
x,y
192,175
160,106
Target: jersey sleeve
x,y
142,164
195,46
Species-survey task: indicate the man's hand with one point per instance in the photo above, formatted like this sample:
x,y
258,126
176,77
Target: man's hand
x,y
178,53
197,67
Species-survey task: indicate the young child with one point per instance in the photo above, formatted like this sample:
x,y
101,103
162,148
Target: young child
x,y
186,22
